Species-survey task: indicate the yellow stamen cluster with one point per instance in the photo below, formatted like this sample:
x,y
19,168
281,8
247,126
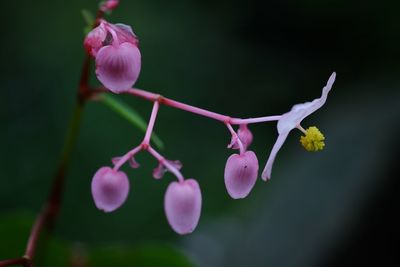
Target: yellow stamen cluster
x,y
313,140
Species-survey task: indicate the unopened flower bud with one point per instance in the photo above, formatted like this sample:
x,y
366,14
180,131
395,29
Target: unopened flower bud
x,y
241,174
109,5
94,40
182,205
245,136
118,59
110,189
118,67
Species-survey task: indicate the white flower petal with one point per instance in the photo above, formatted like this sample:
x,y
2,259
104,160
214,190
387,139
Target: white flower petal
x,y
266,174
298,112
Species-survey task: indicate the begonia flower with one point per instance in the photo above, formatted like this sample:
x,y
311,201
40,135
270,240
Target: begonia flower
x,y
292,119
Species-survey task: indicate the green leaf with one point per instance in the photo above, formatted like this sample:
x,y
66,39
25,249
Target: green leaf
x,y
88,17
129,114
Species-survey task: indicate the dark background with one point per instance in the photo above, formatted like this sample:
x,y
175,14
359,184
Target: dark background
x,y
242,58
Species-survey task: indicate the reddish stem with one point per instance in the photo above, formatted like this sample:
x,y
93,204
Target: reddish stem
x,y
49,213
47,216
10,262
84,90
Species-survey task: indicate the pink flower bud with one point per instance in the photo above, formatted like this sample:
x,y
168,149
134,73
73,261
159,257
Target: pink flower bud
x,y
182,204
109,5
245,136
118,66
94,39
241,174
118,59
110,189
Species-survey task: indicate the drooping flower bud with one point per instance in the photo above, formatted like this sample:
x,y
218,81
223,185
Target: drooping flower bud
x,y
118,67
182,204
110,189
241,174
245,135
94,40
109,5
118,59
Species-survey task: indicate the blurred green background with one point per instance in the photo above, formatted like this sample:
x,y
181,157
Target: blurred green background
x,y
242,58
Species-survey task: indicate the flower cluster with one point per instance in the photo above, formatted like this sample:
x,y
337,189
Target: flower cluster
x,y
118,61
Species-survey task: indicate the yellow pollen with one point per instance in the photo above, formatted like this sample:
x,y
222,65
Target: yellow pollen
x,y
313,140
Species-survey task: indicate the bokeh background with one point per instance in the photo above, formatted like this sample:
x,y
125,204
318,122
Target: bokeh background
x,y
338,207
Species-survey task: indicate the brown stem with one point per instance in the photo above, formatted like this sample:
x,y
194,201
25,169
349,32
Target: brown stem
x,y
84,90
46,218
17,261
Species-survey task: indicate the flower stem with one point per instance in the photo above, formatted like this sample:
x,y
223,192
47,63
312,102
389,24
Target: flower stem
x,y
51,208
152,120
127,113
301,129
18,261
199,111
49,212
72,134
236,137
127,156
255,120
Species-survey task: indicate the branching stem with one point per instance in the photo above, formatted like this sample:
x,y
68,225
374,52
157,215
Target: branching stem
x,y
199,111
